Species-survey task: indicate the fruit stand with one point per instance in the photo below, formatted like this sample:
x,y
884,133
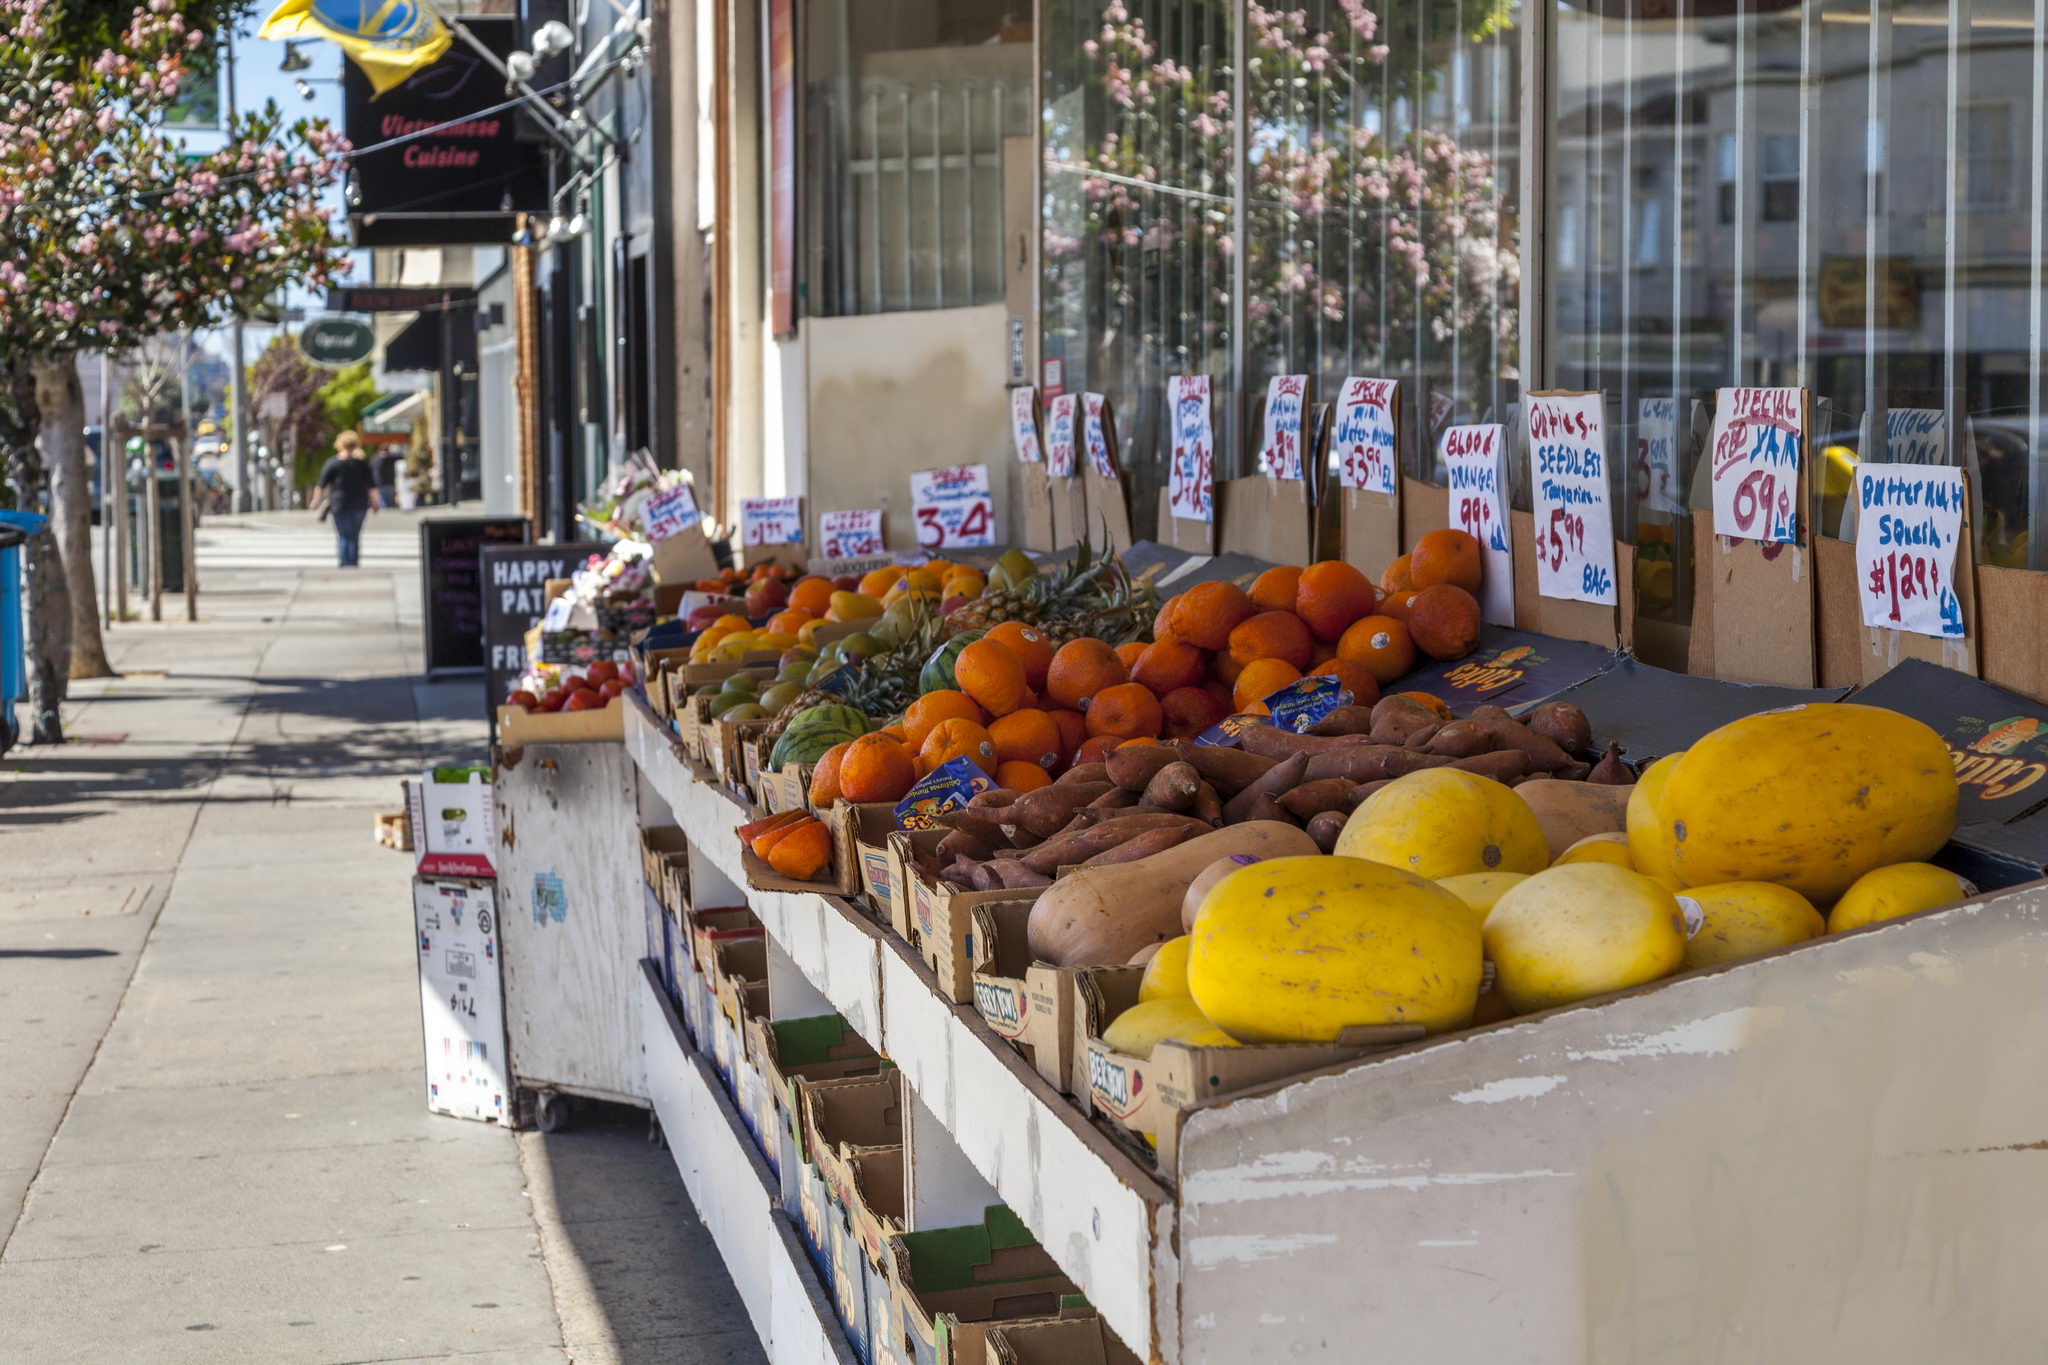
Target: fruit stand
x,y
1221,960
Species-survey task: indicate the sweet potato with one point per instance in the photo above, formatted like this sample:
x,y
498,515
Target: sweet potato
x,y
961,844
1207,805
1488,712
1502,765
1116,798
1314,798
1043,812
1281,777
1012,875
1464,738
1544,756
1423,738
1173,787
1395,718
1078,846
1370,763
1133,767
1140,846
1265,808
1325,827
985,827
995,798
1610,771
1275,743
1082,772
1230,771
1345,720
1563,724
1569,811
1361,793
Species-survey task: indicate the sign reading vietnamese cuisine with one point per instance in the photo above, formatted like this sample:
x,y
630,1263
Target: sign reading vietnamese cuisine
x,y
1476,481
953,507
1569,495
1191,475
1909,520
1755,450
1365,434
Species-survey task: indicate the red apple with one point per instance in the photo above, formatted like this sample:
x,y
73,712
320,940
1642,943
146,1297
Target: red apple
x,y
553,699
953,604
583,699
847,582
610,687
523,699
766,596
600,673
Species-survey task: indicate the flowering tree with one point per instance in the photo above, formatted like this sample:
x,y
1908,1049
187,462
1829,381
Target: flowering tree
x,y
110,233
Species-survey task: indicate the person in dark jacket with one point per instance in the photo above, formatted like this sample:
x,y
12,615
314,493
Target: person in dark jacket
x,y
385,466
348,491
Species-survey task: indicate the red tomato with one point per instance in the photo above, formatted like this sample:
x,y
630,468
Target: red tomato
x,y
523,699
611,687
600,673
553,699
583,699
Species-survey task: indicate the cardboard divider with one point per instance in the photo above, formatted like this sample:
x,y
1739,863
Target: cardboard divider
x,y
951,1285
852,1131
1189,537
1075,1337
1368,529
2013,657
1566,620
1153,1095
1036,528
1069,499
1267,518
865,828
1029,1003
788,789
1763,617
939,916
1425,507
1109,510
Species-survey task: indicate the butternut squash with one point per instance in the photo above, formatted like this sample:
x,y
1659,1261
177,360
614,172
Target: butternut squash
x,y
1099,916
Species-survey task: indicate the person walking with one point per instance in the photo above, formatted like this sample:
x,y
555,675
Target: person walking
x,y
348,492
385,466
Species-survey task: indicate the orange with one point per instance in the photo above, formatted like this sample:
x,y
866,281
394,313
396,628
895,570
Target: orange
x,y
1354,678
825,774
989,673
1129,652
812,594
1331,595
1073,729
1081,669
1032,649
1272,635
958,739
1226,670
1395,604
1446,557
876,768
1190,710
1128,711
1020,776
1398,577
1203,616
1429,701
1166,666
877,582
1026,736
789,620
1444,621
1094,748
732,623
1261,679
1274,589
925,714
1380,645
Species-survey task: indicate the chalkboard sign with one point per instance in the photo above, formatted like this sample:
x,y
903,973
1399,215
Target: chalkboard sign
x,y
515,579
451,593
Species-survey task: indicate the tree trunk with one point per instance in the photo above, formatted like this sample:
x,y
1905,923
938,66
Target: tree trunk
x,y
64,453
46,608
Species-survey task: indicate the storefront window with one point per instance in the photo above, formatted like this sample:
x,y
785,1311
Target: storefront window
x,y
1839,195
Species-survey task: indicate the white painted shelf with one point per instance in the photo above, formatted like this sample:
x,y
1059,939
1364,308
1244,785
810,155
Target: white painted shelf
x,y
1102,1216
735,1195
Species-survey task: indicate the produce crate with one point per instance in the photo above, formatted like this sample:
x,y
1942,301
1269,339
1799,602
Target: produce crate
x,y
577,648
949,1286
657,844
518,727
787,1051
939,916
788,789
1076,1337
1152,1096
1027,1002
849,1279
865,827
839,877
845,1122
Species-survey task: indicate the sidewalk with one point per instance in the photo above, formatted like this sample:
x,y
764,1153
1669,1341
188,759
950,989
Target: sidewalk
x,y
212,1140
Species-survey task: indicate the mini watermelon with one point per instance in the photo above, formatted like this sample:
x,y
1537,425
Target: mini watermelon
x,y
938,670
815,730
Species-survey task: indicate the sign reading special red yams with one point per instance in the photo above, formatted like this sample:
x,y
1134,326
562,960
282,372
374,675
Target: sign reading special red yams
x,y
1568,494
953,507
1365,434
850,535
1191,477
1476,480
1755,453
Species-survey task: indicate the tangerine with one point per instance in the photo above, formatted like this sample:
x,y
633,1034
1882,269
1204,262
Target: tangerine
x,y
789,621
812,593
1203,615
1399,575
994,677
1027,736
1190,710
877,582
825,774
1272,635
1094,748
1331,595
957,739
1129,652
876,768
1081,669
925,714
1447,556
1395,604
1073,729
1353,678
1032,649
1380,645
1444,621
1274,590
1261,679
1019,776
1127,711
1165,665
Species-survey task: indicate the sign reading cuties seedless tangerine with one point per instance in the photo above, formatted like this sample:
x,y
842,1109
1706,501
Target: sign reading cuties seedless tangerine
x,y
1474,476
1755,452
1568,492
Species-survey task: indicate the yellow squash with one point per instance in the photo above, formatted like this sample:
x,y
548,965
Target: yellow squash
x,y
1649,838
1579,930
1598,848
1901,889
1442,822
1146,1025
1166,974
1482,890
1741,919
1811,797
1300,949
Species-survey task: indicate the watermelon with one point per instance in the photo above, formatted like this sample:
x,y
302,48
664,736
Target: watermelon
x,y
815,730
938,670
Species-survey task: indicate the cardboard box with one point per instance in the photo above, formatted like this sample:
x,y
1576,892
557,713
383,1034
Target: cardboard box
x,y
1027,1002
839,877
885,1340
1651,712
1076,1337
849,1285
518,727
844,1124
814,1217
1152,1095
877,1201
865,827
708,929
657,843
950,1285
736,963
789,789
937,917
454,826
822,1048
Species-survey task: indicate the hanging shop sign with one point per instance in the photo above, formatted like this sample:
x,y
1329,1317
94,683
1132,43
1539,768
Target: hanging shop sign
x,y
1097,436
442,164
953,507
1568,494
1909,519
1060,454
668,514
335,343
1476,480
1657,453
1024,424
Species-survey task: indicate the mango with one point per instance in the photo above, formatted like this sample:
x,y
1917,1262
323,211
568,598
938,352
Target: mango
x,y
1580,930
1810,797
1742,919
1901,889
1442,822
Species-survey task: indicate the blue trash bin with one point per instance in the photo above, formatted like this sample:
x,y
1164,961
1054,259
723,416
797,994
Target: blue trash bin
x,y
15,528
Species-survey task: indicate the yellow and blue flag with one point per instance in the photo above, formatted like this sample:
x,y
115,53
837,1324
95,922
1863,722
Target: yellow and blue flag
x,y
388,39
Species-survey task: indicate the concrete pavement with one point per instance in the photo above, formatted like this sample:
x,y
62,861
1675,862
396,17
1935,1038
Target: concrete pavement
x,y
213,1145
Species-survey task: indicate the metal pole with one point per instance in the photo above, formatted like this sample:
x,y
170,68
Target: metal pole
x,y
1240,222
106,489
153,532
238,393
183,453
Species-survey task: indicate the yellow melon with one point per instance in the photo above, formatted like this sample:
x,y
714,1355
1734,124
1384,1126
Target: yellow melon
x,y
1649,838
1901,889
1300,949
1811,797
1741,919
1174,1019
1166,972
1443,822
1598,848
1482,890
1580,930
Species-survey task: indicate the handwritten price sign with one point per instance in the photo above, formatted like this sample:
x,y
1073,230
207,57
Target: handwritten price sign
x,y
1479,507
1568,493
953,507
1758,443
1657,454
1060,456
1909,519
1916,436
1365,434
669,513
1280,451
1024,424
1095,434
1191,480
850,535
771,521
